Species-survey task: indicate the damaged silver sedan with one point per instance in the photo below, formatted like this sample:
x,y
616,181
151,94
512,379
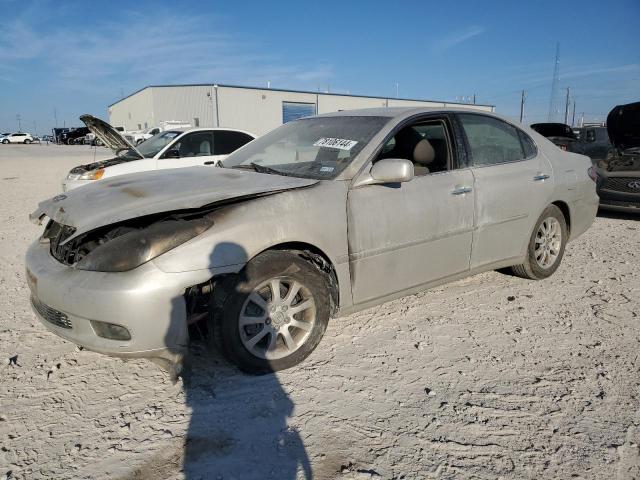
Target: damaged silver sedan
x,y
322,217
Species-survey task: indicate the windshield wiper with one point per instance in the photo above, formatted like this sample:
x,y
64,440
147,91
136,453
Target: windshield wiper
x,y
262,169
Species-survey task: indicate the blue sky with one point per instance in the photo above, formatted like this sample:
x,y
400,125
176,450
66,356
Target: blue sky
x,y
73,57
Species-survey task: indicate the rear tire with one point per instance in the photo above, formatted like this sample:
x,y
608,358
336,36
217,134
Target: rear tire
x,y
261,331
546,246
5,141
27,141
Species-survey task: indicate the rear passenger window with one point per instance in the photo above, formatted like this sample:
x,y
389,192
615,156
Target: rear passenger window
x,y
228,142
491,140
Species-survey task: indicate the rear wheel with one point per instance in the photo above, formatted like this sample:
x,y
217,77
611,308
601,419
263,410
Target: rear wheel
x,y
27,141
275,313
5,141
546,246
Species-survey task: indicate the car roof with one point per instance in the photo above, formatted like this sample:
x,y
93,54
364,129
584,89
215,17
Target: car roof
x,y
209,129
399,112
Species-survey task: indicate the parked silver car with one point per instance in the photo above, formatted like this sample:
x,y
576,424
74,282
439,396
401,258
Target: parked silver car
x,y
321,217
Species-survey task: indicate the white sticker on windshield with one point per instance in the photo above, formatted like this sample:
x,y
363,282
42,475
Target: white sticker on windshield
x,y
327,169
339,143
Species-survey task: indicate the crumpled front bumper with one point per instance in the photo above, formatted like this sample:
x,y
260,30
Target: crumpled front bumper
x,y
146,301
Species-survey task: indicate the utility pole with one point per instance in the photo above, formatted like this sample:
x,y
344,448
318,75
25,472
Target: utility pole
x,y
566,108
19,118
522,99
474,98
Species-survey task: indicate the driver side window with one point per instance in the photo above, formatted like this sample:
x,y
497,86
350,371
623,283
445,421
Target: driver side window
x,y
196,144
425,143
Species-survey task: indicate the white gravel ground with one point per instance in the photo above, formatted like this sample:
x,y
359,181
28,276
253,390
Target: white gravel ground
x,y
489,377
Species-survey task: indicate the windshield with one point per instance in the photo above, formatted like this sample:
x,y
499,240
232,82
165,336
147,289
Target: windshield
x,y
317,147
151,147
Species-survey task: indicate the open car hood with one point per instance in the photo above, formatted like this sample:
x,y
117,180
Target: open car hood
x,y
554,130
108,135
136,195
623,125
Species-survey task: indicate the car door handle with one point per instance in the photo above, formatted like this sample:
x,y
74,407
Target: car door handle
x,y
461,190
210,162
540,177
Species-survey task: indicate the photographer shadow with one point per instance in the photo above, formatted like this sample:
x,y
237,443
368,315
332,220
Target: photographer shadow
x,y
239,423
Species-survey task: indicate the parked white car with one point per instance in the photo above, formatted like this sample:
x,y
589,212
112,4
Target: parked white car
x,y
21,137
137,137
174,148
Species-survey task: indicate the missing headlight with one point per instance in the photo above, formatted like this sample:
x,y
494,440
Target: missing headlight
x,y
127,246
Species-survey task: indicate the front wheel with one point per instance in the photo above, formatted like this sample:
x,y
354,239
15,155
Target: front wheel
x,y
275,313
546,246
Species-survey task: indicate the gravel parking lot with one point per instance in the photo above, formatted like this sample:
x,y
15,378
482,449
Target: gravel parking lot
x,y
488,377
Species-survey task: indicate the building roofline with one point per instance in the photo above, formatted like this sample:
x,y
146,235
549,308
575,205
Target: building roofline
x,y
295,91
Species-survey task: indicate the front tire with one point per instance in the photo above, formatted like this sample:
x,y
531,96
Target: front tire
x,y
546,246
275,314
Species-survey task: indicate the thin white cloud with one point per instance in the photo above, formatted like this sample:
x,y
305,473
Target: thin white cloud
x,y
457,37
157,47
543,76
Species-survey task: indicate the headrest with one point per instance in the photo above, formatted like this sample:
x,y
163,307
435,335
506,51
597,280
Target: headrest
x,y
423,152
205,147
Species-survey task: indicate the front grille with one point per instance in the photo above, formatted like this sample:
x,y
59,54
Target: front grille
x,y
57,234
51,315
621,184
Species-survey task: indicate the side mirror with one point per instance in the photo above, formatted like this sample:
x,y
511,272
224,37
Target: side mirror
x,y
388,170
392,170
175,153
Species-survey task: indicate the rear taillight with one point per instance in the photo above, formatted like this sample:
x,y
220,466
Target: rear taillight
x,y
593,175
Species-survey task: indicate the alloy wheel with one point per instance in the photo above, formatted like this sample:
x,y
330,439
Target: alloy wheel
x,y
277,318
548,242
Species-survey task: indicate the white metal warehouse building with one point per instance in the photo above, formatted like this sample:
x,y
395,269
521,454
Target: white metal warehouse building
x,y
256,110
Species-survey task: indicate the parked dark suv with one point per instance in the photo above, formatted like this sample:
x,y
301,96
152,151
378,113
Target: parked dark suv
x,y
618,182
594,142
69,137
